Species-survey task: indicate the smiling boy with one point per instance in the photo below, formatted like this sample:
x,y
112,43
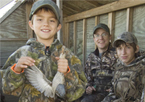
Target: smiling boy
x,y
43,52
128,81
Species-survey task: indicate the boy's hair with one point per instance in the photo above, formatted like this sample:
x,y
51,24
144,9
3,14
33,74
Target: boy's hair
x,y
45,9
120,42
40,4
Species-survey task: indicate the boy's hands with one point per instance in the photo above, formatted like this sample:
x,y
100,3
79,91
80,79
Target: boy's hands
x,y
62,64
90,89
23,62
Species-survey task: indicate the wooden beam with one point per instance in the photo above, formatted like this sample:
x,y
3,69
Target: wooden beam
x,y
84,42
111,24
29,30
75,39
118,5
129,19
93,3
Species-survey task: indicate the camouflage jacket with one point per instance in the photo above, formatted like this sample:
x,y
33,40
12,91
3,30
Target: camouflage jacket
x,y
17,84
128,82
99,71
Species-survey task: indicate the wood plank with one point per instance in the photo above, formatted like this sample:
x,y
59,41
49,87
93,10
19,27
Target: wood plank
x,y
111,24
67,34
84,42
90,45
129,19
29,30
75,41
97,19
139,25
118,5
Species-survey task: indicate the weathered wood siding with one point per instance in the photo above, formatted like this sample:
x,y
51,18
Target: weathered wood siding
x,y
71,36
139,25
79,37
15,25
120,22
90,45
13,33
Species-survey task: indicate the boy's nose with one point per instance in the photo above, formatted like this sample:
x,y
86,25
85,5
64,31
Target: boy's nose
x,y
46,23
123,51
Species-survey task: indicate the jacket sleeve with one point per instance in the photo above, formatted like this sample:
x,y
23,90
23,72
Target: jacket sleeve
x,y
75,79
88,71
12,83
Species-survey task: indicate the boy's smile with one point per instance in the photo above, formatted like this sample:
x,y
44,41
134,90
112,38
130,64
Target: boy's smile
x,y
45,26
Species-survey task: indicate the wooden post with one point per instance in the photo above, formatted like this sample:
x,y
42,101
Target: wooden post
x,y
29,30
129,19
111,24
59,33
75,39
84,42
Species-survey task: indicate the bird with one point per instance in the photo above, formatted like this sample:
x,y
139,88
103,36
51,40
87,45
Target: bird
x,y
42,84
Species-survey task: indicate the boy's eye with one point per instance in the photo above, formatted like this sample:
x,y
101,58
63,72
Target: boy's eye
x,y
52,20
119,48
39,19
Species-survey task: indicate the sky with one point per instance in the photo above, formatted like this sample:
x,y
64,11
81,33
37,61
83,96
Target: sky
x,y
6,8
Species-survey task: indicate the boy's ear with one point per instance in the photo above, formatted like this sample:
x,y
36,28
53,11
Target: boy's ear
x,y
137,48
58,27
31,25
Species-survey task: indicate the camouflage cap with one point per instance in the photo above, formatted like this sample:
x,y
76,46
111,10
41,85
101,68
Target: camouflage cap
x,y
127,37
45,3
103,26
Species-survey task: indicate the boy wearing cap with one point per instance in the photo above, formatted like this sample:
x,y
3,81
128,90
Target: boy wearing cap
x,y
43,53
99,65
128,80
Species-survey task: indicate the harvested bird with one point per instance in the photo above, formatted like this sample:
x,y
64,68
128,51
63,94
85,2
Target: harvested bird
x,y
42,84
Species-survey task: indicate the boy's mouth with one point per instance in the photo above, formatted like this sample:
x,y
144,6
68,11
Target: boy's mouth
x,y
45,30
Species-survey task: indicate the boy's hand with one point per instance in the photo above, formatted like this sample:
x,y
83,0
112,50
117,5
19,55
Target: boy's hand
x,y
62,64
23,62
90,89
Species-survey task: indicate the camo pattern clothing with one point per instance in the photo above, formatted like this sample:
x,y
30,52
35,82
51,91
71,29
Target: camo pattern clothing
x,y
99,70
128,82
18,85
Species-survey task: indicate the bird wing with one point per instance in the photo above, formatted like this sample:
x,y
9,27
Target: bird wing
x,y
39,81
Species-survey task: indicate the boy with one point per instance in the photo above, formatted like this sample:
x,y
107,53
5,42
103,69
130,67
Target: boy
x,y
43,52
128,80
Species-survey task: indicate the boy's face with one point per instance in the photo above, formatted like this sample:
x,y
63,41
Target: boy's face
x,y
126,53
45,25
101,39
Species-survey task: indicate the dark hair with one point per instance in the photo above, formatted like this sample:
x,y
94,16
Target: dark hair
x,y
45,9
120,42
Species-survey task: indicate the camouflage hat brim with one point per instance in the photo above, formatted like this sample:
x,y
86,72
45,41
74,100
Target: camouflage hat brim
x,y
127,37
103,26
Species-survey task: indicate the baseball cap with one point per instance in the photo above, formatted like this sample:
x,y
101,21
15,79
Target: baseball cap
x,y
45,3
127,37
103,26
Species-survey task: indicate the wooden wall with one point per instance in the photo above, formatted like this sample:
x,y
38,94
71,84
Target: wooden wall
x,y
14,31
120,16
